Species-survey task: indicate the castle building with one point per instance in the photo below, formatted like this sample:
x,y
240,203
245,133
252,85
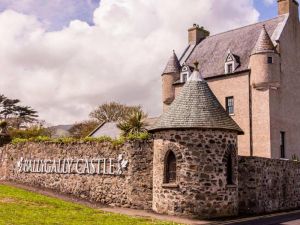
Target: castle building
x,y
254,72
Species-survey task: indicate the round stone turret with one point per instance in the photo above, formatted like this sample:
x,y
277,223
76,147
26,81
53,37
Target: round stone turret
x,y
195,155
170,75
265,63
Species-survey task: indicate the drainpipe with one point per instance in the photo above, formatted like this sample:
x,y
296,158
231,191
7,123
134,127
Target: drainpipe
x,y
250,114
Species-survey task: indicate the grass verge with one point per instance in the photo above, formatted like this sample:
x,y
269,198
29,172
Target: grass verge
x,y
20,207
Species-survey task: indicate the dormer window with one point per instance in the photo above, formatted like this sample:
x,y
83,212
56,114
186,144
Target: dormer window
x,y
231,63
185,73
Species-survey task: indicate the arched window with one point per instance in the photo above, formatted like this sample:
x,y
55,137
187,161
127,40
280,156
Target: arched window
x,y
170,164
229,170
229,165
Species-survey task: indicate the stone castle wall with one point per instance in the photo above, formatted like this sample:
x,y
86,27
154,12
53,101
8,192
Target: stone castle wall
x,y
268,185
261,185
132,188
201,188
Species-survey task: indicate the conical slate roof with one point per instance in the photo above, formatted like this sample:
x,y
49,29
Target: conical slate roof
x,y
196,107
264,43
173,65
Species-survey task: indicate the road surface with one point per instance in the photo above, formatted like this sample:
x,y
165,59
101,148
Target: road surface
x,y
283,219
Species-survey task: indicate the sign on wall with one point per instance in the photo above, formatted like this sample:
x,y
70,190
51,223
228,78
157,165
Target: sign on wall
x,y
97,166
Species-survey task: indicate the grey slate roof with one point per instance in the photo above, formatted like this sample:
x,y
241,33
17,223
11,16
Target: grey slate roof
x,y
108,129
196,107
173,65
212,51
264,43
111,129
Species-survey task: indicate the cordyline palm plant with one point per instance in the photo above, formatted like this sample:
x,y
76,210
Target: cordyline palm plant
x,y
4,136
133,124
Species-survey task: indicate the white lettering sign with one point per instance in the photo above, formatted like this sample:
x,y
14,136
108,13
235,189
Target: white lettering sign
x,y
98,166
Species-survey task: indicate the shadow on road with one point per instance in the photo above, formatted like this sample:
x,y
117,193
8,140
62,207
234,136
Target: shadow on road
x,y
288,219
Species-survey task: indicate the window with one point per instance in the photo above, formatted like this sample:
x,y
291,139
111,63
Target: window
x,y
184,77
229,170
230,105
170,176
229,161
270,60
232,62
229,68
282,144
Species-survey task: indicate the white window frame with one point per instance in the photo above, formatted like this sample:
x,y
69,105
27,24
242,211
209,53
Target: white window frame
x,y
182,75
226,67
232,106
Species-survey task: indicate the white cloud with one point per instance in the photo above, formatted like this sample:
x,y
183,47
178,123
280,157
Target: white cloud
x,y
65,74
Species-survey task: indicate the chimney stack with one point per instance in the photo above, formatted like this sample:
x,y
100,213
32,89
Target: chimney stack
x,y
197,34
288,6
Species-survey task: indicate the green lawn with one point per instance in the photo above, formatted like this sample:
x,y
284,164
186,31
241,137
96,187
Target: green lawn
x,y
22,207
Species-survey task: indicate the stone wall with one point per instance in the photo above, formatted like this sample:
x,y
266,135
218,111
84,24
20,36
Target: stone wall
x,y
133,188
201,188
268,185
261,185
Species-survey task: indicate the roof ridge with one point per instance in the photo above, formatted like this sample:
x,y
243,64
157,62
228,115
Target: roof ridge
x,y
265,21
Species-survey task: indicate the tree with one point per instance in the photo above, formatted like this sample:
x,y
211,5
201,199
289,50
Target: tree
x,y
133,124
14,114
83,129
9,107
113,112
25,114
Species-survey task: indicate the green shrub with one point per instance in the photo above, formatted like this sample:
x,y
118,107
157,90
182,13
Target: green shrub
x,y
138,136
67,140
40,139
19,141
99,139
28,133
118,142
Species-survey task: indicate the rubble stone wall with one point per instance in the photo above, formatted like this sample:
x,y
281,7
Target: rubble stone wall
x,y
260,185
132,188
201,188
268,185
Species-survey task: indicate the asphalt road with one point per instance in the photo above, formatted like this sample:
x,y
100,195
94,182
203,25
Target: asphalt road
x,y
286,219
